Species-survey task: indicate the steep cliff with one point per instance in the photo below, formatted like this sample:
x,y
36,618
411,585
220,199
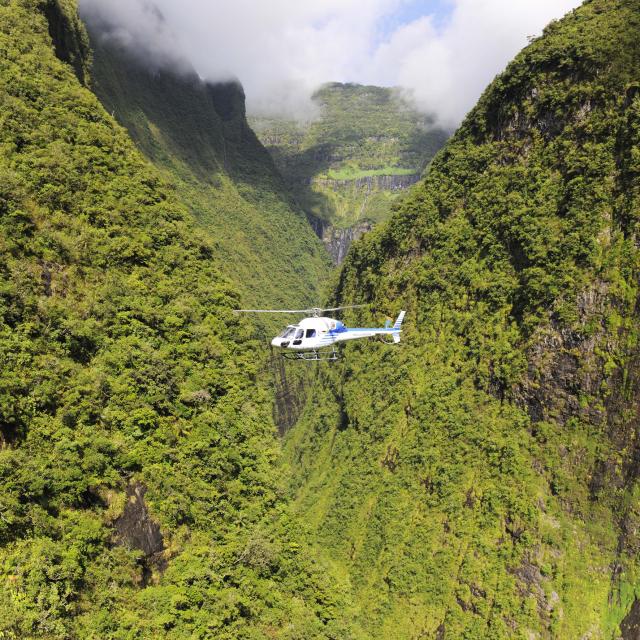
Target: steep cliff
x,y
347,165
69,36
197,134
481,480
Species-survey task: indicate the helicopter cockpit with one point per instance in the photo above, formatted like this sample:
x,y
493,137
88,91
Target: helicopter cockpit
x,y
289,332
294,335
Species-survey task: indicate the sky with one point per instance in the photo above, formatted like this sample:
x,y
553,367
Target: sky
x,y
443,53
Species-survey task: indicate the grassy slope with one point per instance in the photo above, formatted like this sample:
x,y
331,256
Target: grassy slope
x,y
480,481
122,363
198,136
362,131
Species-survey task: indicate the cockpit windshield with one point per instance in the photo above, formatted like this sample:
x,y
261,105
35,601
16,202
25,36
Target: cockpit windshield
x,y
288,332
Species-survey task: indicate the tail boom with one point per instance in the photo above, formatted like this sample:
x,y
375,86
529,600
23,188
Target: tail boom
x,y
354,334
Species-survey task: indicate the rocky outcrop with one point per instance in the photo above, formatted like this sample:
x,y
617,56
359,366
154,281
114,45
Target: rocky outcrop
x,y
630,626
370,183
69,37
290,393
137,530
228,100
135,527
565,369
338,240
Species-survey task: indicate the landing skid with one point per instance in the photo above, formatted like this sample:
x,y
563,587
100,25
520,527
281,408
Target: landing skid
x,y
312,356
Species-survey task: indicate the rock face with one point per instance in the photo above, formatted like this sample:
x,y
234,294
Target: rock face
x,y
290,393
137,530
371,183
69,37
135,527
630,626
565,369
337,240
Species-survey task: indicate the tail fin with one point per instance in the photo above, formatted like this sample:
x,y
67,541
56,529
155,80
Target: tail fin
x,y
396,327
398,322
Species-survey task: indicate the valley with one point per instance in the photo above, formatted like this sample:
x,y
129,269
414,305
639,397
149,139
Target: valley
x,y
197,136
352,159
164,473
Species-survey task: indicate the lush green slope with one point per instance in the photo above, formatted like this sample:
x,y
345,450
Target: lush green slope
x,y
481,480
347,166
138,492
197,134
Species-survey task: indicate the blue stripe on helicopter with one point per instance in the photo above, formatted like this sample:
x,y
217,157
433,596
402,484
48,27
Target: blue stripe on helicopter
x,y
338,331
371,329
332,335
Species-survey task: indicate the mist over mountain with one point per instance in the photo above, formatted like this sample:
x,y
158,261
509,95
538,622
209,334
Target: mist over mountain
x,y
140,28
196,133
283,51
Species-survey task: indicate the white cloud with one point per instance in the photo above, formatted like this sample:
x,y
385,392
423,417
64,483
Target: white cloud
x,y
447,70
281,50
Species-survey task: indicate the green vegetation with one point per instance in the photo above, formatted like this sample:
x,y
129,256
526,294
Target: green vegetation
x,y
478,481
481,480
197,135
139,496
360,132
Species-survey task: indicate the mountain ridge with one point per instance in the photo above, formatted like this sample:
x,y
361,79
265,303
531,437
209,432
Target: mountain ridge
x,y
140,491
196,133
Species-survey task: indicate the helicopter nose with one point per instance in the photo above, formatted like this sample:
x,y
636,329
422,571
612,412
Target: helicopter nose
x,y
276,342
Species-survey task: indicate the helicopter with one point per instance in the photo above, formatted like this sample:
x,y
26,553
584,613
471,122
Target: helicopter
x,y
313,336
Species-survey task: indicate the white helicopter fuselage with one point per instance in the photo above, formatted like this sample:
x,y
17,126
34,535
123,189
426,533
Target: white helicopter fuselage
x,y
312,334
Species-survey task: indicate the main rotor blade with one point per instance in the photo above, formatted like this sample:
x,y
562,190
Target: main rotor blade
x,y
351,306
272,310
314,310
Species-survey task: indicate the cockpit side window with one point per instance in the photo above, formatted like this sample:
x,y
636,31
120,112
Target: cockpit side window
x,y
288,332
299,334
311,333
